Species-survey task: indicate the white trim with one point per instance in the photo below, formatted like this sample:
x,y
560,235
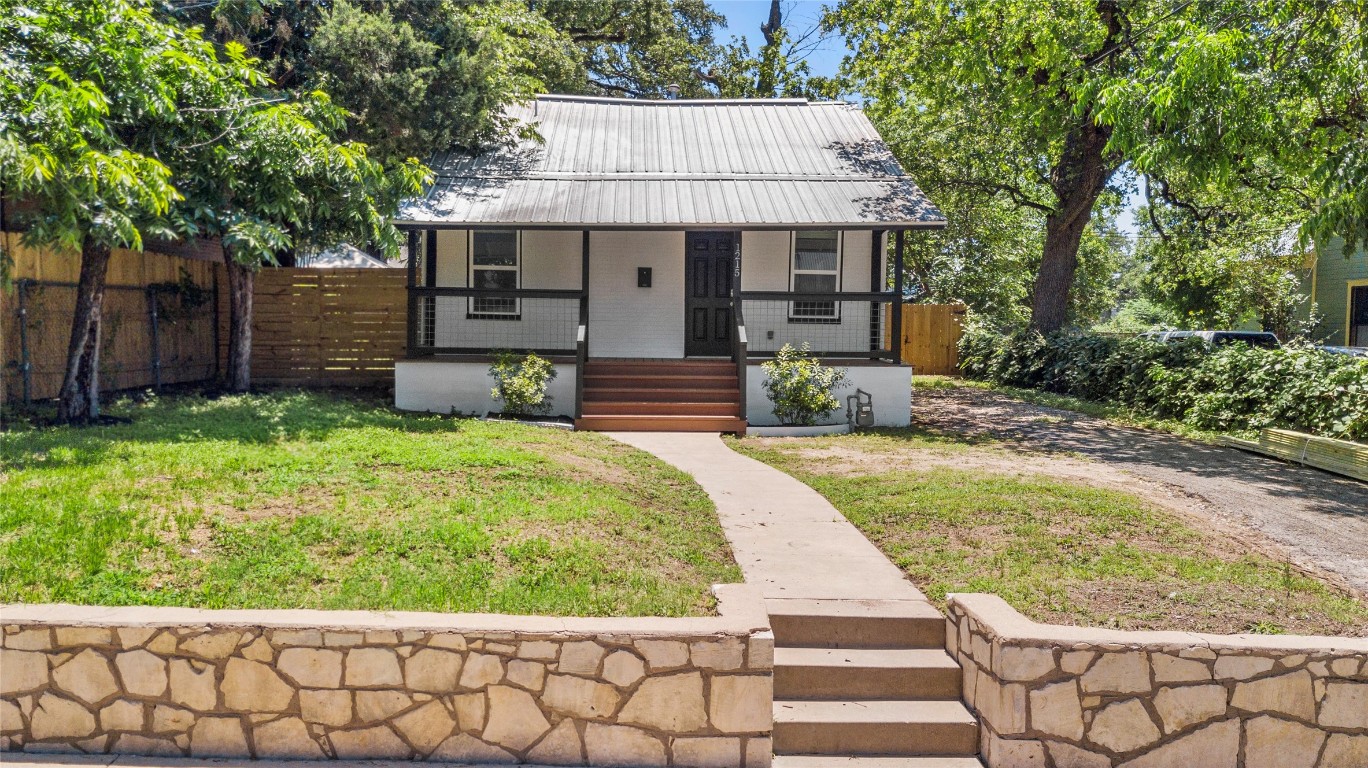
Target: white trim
x,y
516,269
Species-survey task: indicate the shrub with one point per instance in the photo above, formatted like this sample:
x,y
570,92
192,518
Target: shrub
x,y
520,384
800,387
1234,388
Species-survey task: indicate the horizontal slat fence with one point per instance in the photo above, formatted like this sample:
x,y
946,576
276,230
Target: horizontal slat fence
x,y
322,327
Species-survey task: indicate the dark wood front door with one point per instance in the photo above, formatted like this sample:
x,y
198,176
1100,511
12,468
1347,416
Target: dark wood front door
x,y
707,293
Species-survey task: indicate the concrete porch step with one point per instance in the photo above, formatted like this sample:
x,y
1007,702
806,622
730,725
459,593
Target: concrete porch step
x,y
664,380
865,673
861,727
675,367
661,424
836,761
856,623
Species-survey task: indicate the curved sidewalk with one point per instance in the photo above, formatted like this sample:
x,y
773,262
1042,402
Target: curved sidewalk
x,y
787,539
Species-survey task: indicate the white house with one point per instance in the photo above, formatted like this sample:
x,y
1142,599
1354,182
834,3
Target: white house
x,y
658,252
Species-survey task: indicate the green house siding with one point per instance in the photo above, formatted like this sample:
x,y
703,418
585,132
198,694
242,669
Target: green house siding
x,y
1334,276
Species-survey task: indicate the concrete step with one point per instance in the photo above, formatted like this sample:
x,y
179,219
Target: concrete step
x,y
682,367
661,424
660,381
874,728
836,761
865,673
856,623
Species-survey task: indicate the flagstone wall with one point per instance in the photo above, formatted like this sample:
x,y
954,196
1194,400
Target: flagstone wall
x,y
352,685
1070,697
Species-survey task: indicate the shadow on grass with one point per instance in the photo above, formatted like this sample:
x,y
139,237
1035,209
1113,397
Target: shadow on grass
x,y
206,417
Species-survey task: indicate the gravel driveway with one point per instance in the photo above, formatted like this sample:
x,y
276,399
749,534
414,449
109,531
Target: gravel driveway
x,y
1318,520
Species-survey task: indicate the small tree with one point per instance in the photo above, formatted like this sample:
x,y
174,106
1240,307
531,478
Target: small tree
x,y
520,383
800,387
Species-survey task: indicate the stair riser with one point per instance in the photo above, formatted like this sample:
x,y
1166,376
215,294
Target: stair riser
x,y
592,381
842,683
875,739
660,409
662,395
680,369
857,632
662,424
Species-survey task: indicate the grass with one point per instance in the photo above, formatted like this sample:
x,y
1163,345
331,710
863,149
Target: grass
x,y
330,501
1112,412
1057,551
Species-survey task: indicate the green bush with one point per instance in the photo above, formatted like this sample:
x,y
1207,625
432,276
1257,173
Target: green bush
x,y
520,383
800,387
1228,389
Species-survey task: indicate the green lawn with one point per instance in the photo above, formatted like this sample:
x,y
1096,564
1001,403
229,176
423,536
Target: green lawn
x,y
323,500
1057,551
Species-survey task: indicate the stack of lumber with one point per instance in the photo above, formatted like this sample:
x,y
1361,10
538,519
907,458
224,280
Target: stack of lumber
x,y
1342,457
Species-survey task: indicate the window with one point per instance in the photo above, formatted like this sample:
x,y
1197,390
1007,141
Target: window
x,y
816,269
495,264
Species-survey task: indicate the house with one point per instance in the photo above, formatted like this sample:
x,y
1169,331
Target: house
x,y
658,252
1339,294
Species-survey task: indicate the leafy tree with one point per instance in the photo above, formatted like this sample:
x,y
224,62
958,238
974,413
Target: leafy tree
x,y
778,69
84,83
268,177
1046,104
636,48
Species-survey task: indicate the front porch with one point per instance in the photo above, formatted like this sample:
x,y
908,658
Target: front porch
x,y
651,329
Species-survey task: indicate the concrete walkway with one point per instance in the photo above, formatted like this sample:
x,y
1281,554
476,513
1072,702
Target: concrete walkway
x,y
787,538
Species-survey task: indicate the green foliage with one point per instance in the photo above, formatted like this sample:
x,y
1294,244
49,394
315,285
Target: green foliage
x,y
800,387
1229,389
520,383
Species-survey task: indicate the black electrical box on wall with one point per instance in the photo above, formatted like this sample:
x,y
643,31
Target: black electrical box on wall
x,y
643,277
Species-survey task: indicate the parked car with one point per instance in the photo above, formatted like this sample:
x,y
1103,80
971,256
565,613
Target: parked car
x,y
1262,339
1351,351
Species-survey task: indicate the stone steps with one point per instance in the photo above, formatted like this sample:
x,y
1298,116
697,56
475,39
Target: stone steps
x,y
867,684
874,728
865,673
829,761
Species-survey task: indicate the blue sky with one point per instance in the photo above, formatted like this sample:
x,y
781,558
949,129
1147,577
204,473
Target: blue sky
x,y
744,18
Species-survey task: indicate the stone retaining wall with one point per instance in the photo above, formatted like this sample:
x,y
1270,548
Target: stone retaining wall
x,y
353,685
1070,697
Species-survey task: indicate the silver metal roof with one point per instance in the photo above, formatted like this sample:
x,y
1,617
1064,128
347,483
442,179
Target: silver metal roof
x,y
634,163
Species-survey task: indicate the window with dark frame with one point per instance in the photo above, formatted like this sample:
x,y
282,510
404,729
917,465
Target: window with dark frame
x,y
495,264
815,268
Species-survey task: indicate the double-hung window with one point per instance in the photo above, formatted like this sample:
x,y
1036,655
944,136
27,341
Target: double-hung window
x,y
816,268
495,264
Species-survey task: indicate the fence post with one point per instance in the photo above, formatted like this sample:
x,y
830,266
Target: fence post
x,y
25,364
156,338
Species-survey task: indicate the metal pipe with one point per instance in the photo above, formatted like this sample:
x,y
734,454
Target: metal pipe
x,y
156,338
25,364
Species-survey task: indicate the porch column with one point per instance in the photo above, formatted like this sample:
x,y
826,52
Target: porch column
x,y
582,333
878,280
896,308
411,341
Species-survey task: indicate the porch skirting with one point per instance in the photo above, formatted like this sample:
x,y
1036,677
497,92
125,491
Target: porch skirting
x,y
438,385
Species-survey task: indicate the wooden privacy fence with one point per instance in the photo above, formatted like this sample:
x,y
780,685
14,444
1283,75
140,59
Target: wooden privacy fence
x,y
930,337
319,327
158,324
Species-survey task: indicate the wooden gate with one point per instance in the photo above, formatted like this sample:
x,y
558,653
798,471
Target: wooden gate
x,y
930,337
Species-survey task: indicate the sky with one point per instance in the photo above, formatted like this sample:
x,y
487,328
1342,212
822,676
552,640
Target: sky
x,y
744,18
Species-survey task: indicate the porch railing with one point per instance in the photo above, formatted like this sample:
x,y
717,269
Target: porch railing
x,y
480,321
849,324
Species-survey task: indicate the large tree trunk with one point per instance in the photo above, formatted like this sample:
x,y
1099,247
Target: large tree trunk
x,y
241,280
79,399
1078,180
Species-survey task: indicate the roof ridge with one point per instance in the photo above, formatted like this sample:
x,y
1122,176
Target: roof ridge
x,y
783,101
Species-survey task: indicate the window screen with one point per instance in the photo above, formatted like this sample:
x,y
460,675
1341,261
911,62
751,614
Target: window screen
x,y
816,269
494,265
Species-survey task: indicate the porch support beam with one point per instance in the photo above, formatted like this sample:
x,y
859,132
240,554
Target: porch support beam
x,y
896,309
582,333
412,326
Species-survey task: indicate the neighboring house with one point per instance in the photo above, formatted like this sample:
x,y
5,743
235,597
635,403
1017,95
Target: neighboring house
x,y
658,252
346,256
1339,293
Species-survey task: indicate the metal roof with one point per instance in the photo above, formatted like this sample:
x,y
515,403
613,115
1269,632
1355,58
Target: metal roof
x,y
607,162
